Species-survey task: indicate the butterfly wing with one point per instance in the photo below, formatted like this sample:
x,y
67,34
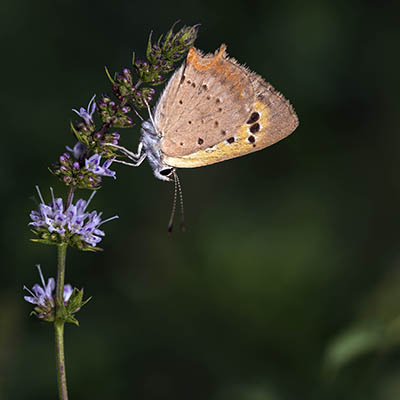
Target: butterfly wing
x,y
214,109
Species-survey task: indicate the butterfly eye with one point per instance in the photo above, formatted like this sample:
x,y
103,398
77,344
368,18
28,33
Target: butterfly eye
x,y
166,172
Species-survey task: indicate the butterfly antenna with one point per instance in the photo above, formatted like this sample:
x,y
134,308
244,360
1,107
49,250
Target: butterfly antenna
x,y
171,218
180,201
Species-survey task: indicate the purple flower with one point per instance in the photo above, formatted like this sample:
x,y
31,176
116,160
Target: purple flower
x,y
67,292
87,114
93,164
74,220
49,216
78,151
43,295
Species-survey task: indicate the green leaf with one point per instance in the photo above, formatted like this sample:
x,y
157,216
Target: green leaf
x,y
149,47
86,301
351,344
75,300
72,320
109,75
44,241
92,249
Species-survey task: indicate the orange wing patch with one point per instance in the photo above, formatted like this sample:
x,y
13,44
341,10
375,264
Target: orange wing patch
x,y
248,139
202,63
218,63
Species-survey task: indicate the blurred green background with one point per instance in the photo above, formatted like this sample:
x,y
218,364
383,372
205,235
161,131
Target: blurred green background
x,y
286,284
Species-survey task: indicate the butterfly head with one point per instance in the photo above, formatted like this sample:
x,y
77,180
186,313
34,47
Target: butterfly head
x,y
165,173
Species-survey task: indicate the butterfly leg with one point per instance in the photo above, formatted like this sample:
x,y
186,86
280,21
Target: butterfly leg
x,y
134,164
132,156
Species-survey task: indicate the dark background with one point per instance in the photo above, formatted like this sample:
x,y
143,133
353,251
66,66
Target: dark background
x,y
286,284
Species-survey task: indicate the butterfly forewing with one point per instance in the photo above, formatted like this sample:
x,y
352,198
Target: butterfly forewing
x,y
205,102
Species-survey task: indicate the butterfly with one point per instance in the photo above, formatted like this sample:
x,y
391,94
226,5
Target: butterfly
x,y
212,109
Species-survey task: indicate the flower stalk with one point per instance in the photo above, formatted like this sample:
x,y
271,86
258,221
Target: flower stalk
x,y
64,222
59,323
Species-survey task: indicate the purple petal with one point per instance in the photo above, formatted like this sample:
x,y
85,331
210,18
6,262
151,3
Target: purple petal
x,y
67,292
81,206
107,163
34,215
51,285
93,104
31,299
60,230
38,290
45,209
78,151
107,172
37,224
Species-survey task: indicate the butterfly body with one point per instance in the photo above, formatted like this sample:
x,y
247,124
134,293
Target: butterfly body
x,y
151,141
211,110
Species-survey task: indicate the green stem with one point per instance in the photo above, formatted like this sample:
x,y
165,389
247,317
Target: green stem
x,y
59,324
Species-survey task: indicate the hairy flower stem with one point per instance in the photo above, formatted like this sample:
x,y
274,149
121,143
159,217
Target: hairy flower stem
x,y
59,324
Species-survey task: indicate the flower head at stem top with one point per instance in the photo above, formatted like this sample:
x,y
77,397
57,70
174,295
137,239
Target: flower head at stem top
x,y
162,56
56,224
87,114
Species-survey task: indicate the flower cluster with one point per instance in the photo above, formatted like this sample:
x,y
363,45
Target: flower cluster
x,y
124,89
55,224
80,166
162,57
167,51
45,303
87,114
114,114
83,173
96,140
